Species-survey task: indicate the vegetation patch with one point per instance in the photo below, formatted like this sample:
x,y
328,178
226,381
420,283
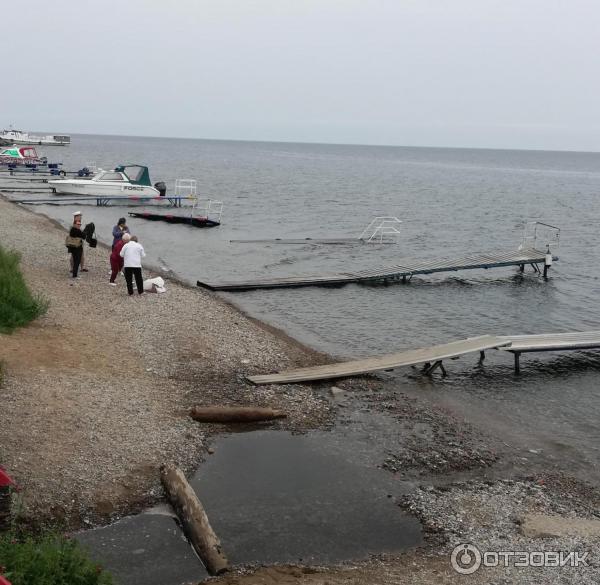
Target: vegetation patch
x,y
49,560
17,305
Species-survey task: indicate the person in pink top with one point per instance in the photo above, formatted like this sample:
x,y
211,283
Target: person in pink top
x,y
116,262
132,253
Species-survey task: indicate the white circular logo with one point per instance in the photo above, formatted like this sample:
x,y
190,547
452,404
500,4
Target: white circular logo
x,y
465,559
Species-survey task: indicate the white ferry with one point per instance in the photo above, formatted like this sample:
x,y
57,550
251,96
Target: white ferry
x,y
10,136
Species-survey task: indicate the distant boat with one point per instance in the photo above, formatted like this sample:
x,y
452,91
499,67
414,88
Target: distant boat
x,y
24,155
131,180
10,136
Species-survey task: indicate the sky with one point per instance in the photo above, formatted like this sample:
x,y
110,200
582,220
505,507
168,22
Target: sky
x,y
451,73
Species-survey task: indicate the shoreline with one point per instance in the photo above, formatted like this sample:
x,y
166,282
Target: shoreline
x,y
232,345
172,277
97,391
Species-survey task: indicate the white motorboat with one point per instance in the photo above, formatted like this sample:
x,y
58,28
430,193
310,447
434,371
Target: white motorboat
x,y
125,180
11,136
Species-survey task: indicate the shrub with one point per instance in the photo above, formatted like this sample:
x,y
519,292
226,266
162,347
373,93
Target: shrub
x,y
49,560
17,305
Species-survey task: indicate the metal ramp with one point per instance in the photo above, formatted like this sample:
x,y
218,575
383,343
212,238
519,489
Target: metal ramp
x,y
540,242
388,274
431,356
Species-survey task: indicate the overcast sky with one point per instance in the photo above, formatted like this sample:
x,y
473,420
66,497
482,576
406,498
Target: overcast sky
x,y
480,73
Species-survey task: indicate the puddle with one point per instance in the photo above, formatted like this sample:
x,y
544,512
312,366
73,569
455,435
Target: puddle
x,y
271,497
274,497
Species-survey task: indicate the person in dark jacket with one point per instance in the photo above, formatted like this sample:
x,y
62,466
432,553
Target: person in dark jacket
x,y
76,251
77,219
118,231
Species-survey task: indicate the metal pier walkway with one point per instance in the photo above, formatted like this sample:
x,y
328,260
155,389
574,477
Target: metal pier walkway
x,y
551,342
404,271
432,356
428,355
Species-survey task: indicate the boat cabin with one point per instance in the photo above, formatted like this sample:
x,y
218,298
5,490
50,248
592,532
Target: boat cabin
x,y
21,152
134,174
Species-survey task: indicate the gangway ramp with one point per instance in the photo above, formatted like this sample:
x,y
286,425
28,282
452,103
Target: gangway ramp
x,y
429,355
401,272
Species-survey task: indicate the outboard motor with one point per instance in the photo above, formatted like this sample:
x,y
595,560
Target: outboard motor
x,y
161,188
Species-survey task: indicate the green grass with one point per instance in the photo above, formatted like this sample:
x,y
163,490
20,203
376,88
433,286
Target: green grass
x,y
17,305
49,560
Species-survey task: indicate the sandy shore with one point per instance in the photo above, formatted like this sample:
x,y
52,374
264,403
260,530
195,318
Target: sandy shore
x,y
96,397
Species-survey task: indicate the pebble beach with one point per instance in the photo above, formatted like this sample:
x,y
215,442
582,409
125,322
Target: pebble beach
x,y
96,397
96,393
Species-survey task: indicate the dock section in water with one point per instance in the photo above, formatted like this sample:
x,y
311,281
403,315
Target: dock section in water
x,y
401,272
551,342
430,355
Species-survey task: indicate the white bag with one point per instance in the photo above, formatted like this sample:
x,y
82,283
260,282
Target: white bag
x,y
155,285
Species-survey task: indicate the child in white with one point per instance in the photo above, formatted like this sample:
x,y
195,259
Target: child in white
x,y
132,253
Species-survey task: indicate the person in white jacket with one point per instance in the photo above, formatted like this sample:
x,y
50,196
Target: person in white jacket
x,y
132,253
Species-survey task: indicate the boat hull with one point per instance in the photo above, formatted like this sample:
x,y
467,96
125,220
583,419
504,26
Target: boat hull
x,y
87,187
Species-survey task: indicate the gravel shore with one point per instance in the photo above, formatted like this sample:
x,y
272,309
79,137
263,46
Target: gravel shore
x,y
96,393
96,396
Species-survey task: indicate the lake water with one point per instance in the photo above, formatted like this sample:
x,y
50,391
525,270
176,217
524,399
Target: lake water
x,y
451,201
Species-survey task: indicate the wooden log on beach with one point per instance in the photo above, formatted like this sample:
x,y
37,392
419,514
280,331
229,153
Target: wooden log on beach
x,y
227,414
194,520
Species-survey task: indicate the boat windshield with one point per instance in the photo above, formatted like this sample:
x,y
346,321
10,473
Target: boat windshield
x,y
29,152
13,152
109,176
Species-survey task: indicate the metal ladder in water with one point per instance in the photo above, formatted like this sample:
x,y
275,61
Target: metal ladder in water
x,y
381,229
209,208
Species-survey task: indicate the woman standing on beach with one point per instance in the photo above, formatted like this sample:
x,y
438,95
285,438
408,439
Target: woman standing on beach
x,y
77,219
75,247
132,253
119,230
116,262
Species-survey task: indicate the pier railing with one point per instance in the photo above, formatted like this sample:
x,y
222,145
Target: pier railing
x,y
541,236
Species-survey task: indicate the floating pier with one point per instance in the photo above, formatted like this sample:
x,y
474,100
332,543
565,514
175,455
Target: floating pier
x,y
402,272
193,220
432,356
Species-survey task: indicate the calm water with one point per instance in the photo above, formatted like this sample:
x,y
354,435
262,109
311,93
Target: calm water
x,y
450,201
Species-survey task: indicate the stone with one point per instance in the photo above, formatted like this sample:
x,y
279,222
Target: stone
x,y
546,526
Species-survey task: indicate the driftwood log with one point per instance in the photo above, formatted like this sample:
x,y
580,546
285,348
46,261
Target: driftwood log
x,y
225,414
193,519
